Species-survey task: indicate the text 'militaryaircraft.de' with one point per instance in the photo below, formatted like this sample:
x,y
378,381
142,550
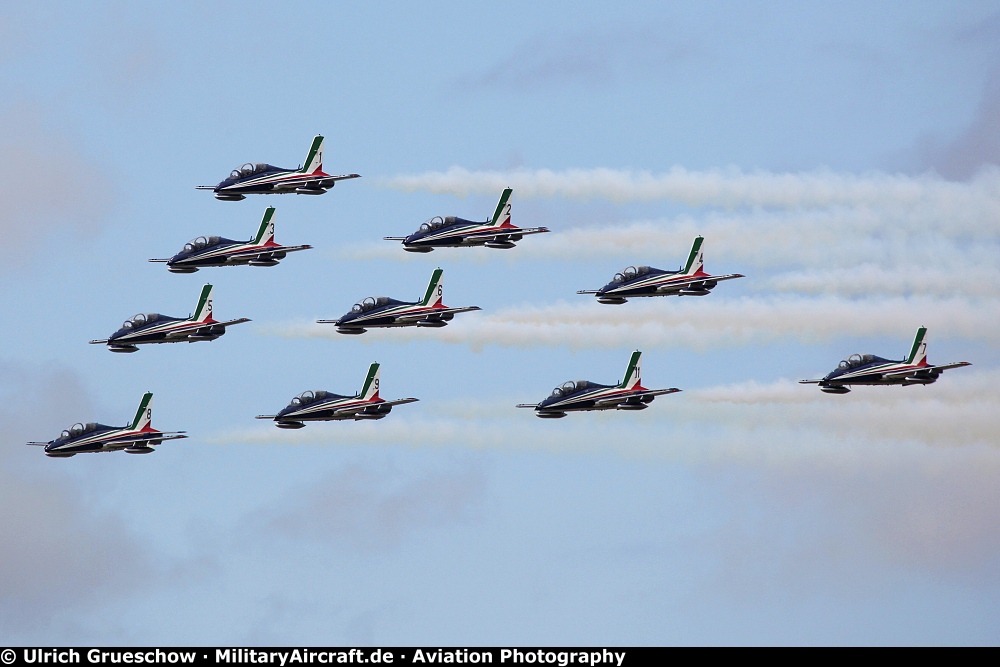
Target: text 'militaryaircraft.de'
x,y
326,406
155,328
452,232
381,311
869,369
204,251
583,395
139,437
690,280
266,179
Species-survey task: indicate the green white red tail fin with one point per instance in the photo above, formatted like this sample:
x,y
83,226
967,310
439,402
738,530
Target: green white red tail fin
x,y
314,160
435,290
203,313
501,216
144,415
918,353
633,374
370,390
265,233
696,260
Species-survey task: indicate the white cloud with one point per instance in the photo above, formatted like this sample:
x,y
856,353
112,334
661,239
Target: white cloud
x,y
693,322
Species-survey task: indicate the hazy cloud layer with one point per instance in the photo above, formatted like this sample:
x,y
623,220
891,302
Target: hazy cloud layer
x,y
693,322
56,553
35,206
371,507
729,188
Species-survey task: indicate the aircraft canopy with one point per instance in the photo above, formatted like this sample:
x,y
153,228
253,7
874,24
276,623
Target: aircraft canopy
x,y
78,429
201,242
567,388
140,319
856,360
629,273
307,397
250,169
371,302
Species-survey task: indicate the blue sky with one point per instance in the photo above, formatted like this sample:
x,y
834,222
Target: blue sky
x,y
843,158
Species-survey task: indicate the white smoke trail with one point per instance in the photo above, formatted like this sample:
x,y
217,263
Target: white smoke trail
x,y
719,187
694,323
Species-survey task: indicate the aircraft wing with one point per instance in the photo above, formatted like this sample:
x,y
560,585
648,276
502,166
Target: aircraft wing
x,y
173,435
306,180
204,187
159,260
810,381
526,405
615,400
265,416
921,369
681,284
435,314
362,407
393,238
99,342
587,291
253,252
195,326
37,444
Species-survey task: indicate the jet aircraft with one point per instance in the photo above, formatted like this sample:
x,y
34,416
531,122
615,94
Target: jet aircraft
x,y
452,232
869,369
139,437
326,406
582,395
382,311
690,280
155,328
203,251
267,179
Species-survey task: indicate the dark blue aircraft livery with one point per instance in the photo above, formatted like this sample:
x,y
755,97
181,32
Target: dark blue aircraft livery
x,y
869,369
147,328
690,280
204,251
326,406
381,311
452,232
139,437
266,179
583,395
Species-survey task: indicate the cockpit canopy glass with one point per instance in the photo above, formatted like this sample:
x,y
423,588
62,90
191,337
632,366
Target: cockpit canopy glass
x,y
307,397
856,360
369,303
434,223
78,429
629,273
567,388
139,319
201,242
250,169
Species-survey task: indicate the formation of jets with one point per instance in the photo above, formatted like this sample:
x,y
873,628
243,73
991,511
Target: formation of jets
x,y
498,232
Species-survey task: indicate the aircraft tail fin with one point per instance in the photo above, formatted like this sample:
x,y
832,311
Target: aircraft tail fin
x,y
314,160
918,353
370,390
696,260
144,415
265,233
501,216
633,374
435,290
203,313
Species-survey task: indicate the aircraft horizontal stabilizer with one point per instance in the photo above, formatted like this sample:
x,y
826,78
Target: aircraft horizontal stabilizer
x,y
926,369
231,322
400,401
